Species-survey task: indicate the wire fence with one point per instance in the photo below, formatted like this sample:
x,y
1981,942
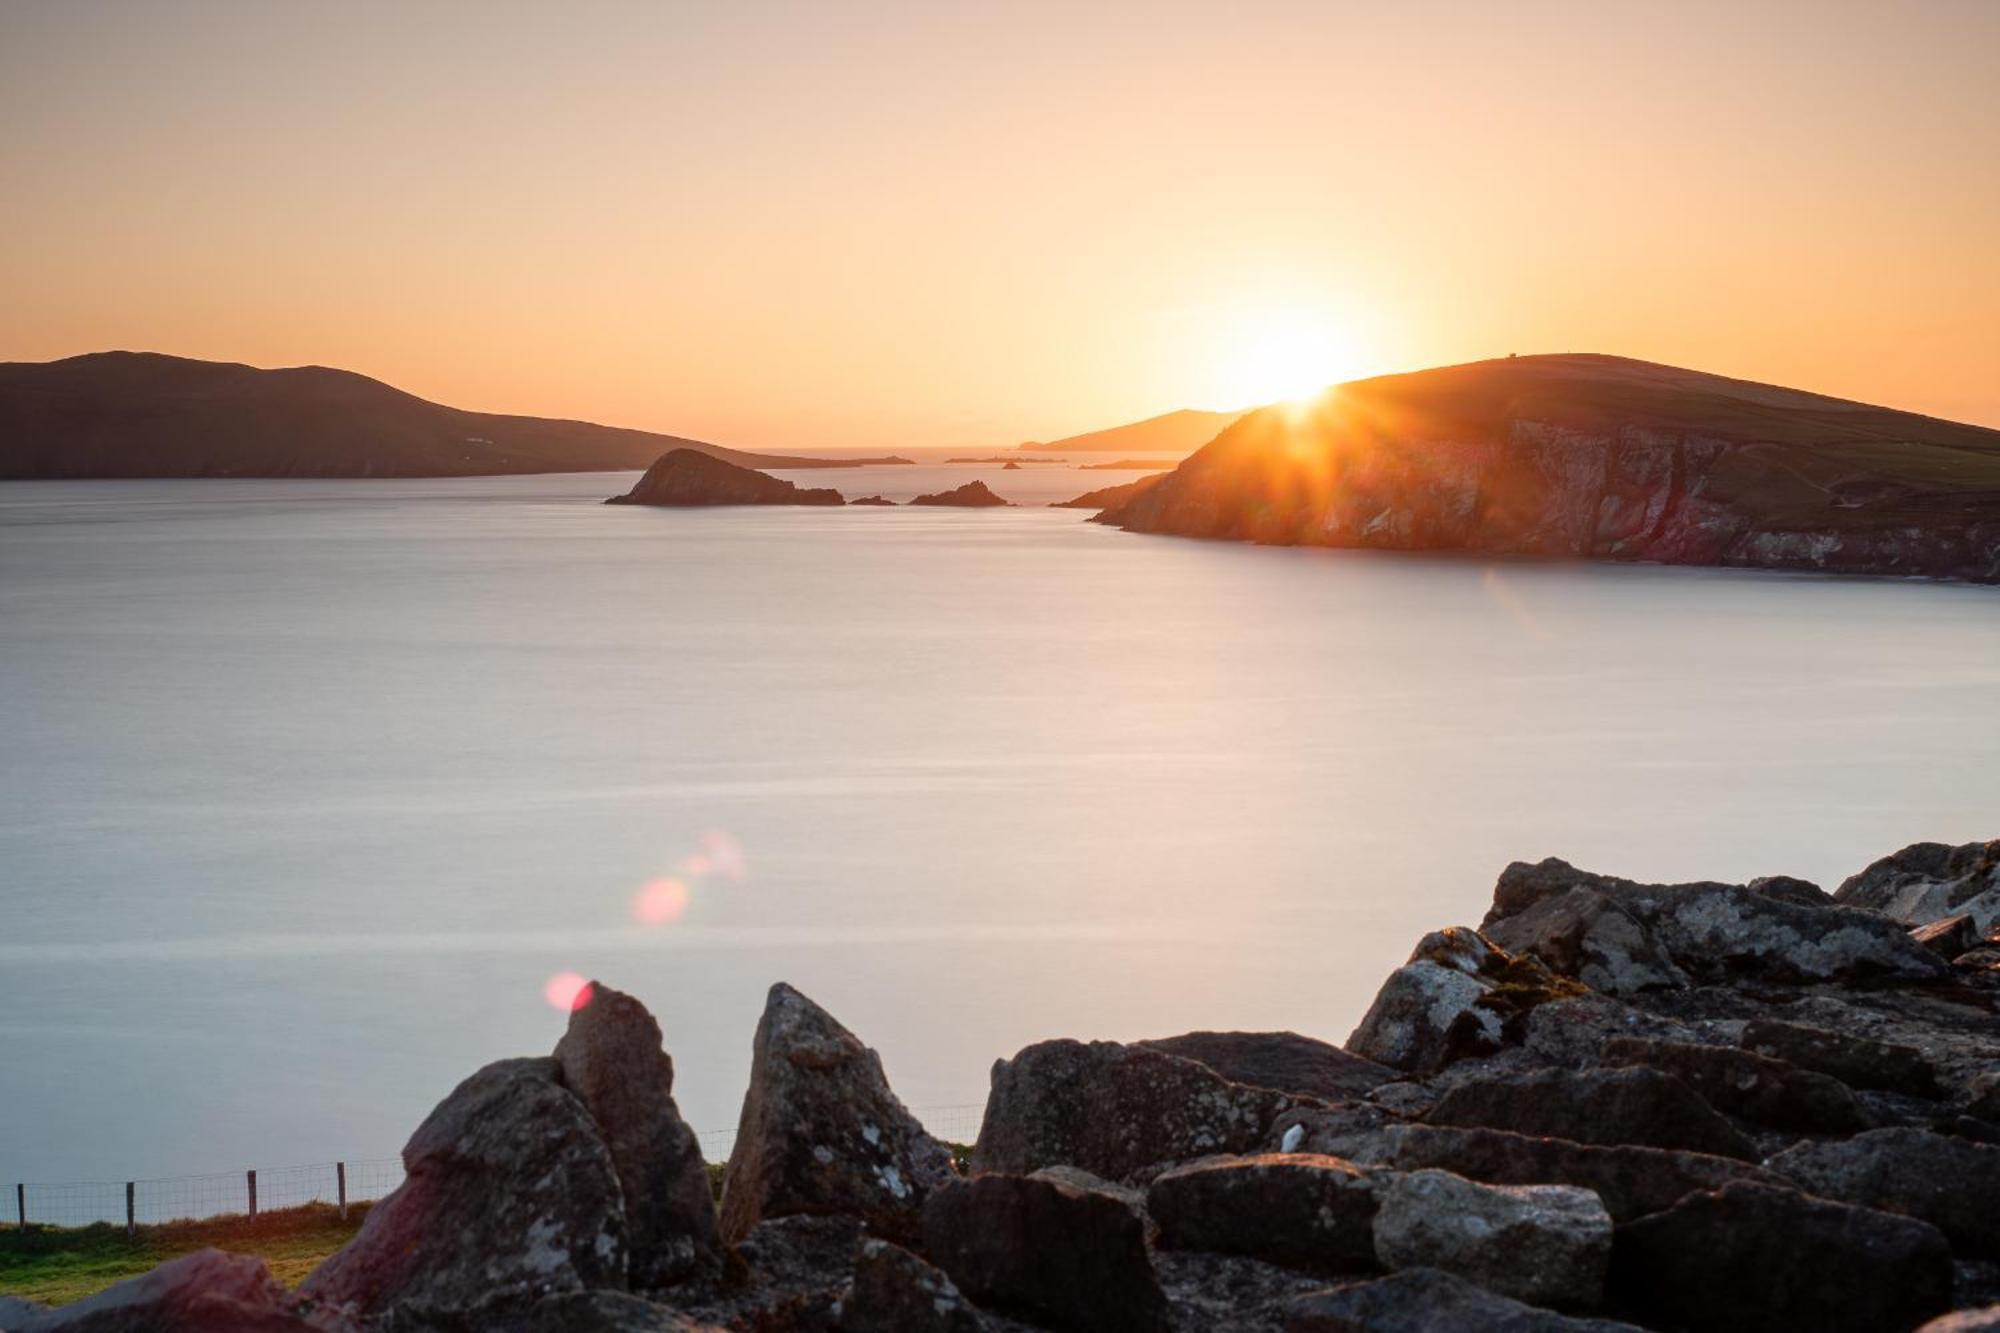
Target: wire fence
x,y
78,1203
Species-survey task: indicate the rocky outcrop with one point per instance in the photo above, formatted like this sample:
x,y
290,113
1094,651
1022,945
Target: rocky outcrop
x,y
612,1059
1426,1300
822,1133
204,1292
972,495
682,478
1297,1209
1068,1258
1751,1258
1116,1111
1457,996
1928,881
1284,1061
1544,1244
1596,457
510,1193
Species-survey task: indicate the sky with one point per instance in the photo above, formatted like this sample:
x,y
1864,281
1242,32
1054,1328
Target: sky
x,y
847,225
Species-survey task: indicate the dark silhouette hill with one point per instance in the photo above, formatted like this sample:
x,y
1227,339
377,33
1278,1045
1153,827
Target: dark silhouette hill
x,y
142,414
1175,432
682,478
1596,456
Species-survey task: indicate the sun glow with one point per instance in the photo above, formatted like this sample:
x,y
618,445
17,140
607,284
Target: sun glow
x,y
1285,354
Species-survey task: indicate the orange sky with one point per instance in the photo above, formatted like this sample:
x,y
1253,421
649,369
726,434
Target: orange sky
x,y
895,225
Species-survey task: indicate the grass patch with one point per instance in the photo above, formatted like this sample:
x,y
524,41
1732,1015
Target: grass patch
x,y
55,1265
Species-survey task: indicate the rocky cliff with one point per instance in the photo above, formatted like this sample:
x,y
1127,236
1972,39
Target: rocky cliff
x,y
683,478
1613,1106
1596,457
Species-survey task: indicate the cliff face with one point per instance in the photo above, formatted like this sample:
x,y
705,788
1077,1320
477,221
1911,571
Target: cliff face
x,y
1601,458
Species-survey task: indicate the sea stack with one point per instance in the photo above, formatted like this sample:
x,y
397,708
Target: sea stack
x,y
972,495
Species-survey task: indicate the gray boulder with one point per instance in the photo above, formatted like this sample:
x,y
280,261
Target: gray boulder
x,y
1749,1258
612,1059
1543,1244
1632,1181
1743,1083
896,1292
1426,1300
1457,996
204,1292
1952,1183
1297,1209
821,1133
1859,1062
510,1194
1927,881
1584,934
1284,1061
1612,1106
1067,1258
1116,1111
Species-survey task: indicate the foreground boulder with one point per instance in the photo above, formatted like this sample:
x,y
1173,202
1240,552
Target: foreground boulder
x,y
204,1292
822,1133
896,1292
1069,1258
972,495
1749,1257
1725,932
1116,1111
1457,996
1743,1083
682,478
1297,1209
611,1058
510,1194
1632,1181
1544,1244
1284,1061
1426,1300
1610,1106
1928,881
1952,1183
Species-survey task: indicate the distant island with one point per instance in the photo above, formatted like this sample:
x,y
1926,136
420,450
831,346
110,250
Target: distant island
x,y
1598,457
972,495
1173,432
142,414
685,478
1132,465
1010,462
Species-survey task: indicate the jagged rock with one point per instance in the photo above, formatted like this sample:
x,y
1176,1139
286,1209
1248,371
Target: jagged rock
x,y
822,1133
1632,1181
1427,1300
896,1292
1952,1183
1456,997
1544,1244
972,495
1585,935
685,477
204,1292
1284,1061
1301,1210
1729,932
1611,1106
1859,1062
1753,1258
510,1193
1986,1320
611,1057
1116,1111
1930,880
1948,936
1743,1083
1066,1257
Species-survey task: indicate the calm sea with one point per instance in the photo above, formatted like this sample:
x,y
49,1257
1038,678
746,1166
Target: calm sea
x,y
308,789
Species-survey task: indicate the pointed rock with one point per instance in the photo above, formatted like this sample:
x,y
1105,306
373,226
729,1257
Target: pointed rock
x,y
612,1059
1458,996
510,1194
821,1133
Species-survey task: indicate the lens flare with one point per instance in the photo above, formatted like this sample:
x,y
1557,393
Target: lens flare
x,y
660,902
567,991
724,854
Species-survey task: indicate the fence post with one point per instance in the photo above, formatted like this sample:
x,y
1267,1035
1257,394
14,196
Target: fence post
x,y
131,1219
253,1194
340,1186
21,1203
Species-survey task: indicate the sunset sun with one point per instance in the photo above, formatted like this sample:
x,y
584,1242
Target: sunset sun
x,y
1278,355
